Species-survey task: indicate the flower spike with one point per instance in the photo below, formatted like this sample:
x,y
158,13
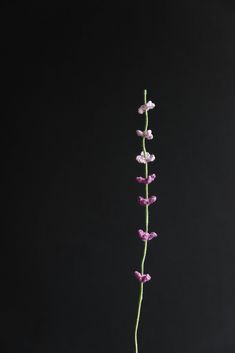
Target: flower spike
x,y
144,158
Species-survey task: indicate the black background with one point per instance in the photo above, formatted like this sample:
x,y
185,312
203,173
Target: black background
x,y
73,77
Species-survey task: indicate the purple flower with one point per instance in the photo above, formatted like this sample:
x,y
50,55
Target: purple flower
x,y
145,235
146,134
142,278
146,202
145,158
145,107
147,180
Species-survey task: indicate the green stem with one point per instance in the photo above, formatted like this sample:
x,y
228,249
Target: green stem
x,y
146,229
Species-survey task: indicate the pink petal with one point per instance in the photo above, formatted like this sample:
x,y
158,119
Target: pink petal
x,y
150,158
152,199
138,275
150,105
152,235
145,278
139,133
141,109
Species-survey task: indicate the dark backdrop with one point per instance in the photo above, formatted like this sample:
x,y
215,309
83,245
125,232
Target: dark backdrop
x,y
73,77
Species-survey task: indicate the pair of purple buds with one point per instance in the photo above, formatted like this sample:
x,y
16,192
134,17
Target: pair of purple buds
x,y
142,278
147,180
147,202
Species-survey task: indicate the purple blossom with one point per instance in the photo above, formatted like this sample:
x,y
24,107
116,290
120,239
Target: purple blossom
x,y
145,158
145,235
142,278
146,134
145,107
146,202
147,180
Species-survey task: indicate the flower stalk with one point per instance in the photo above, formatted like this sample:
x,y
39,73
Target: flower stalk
x,y
146,201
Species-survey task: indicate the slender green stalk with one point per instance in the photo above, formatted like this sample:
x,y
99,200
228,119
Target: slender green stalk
x,y
146,229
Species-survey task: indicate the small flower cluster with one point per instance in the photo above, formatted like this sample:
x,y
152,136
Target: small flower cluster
x,y
147,134
145,107
142,278
147,180
145,158
146,235
148,201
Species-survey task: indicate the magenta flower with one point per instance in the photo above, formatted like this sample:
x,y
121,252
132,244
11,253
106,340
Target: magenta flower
x,y
145,158
147,180
146,202
142,278
145,235
145,107
146,134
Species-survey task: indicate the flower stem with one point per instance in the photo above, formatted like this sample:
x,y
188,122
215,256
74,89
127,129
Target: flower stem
x,y
146,229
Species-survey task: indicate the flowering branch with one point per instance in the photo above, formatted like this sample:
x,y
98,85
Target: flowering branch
x,y
146,201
